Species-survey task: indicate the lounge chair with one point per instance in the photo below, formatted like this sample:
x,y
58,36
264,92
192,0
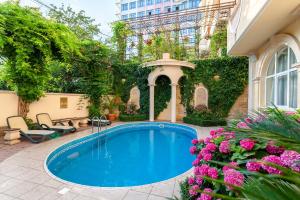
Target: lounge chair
x,y
35,136
46,123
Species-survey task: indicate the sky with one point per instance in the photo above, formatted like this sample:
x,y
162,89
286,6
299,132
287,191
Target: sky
x,y
103,11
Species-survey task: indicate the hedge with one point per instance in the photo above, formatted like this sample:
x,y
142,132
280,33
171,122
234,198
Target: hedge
x,y
204,122
136,117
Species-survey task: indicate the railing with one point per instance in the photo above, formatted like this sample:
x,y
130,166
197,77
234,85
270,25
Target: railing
x,y
99,124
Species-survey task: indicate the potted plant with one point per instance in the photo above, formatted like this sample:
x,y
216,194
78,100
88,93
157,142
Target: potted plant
x,y
111,104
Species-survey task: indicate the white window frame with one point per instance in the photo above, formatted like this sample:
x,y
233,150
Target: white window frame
x,y
287,72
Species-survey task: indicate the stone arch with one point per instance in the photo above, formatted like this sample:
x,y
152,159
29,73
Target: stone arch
x,y
200,95
134,97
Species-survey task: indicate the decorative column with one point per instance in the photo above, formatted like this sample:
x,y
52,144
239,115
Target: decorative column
x,y
297,66
173,102
151,110
256,93
251,69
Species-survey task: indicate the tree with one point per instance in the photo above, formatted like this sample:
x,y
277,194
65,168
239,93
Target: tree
x,y
121,32
82,25
28,43
95,73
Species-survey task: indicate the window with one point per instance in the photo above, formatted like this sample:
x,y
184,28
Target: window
x,y
132,5
150,12
158,1
141,14
167,9
281,80
124,7
141,3
124,17
166,0
157,11
132,15
149,2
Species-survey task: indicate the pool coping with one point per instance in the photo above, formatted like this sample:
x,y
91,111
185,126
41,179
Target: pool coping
x,y
184,174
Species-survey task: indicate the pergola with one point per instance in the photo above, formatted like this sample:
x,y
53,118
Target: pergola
x,y
201,19
172,69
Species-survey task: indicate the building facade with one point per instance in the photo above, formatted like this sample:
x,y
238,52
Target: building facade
x,y
268,32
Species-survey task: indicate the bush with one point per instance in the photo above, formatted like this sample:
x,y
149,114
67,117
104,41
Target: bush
x,y
228,160
135,117
204,118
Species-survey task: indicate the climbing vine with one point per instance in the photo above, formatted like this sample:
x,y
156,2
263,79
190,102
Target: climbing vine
x,y
225,78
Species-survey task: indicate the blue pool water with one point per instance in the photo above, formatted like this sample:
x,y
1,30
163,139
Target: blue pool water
x,y
126,155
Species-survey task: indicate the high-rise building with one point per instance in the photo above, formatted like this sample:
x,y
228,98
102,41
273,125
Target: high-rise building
x,y
130,9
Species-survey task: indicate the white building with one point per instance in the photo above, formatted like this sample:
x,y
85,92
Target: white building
x,y
268,32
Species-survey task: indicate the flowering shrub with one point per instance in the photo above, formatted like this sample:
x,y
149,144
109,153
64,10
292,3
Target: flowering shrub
x,y
239,154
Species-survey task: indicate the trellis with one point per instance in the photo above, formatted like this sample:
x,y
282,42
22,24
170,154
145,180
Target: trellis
x,y
200,19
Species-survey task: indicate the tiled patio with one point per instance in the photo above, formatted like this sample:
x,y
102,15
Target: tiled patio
x,y
22,176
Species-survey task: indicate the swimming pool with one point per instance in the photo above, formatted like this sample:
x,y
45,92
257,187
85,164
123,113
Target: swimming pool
x,y
126,155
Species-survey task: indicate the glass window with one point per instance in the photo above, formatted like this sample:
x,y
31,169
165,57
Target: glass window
x,y
158,1
150,12
124,17
132,15
149,2
132,5
157,11
141,14
141,3
124,6
281,80
167,9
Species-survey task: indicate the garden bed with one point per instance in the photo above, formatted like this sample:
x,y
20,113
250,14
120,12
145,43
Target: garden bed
x,y
133,117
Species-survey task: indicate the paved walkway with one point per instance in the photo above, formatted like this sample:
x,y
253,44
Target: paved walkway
x,y
22,177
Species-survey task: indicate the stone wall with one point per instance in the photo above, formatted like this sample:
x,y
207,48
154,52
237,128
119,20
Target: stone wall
x,y
240,107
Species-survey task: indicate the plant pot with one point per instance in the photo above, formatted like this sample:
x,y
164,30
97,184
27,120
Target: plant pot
x,y
112,117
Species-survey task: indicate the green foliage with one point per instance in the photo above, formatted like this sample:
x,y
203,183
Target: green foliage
x,y
128,75
204,120
79,23
133,117
223,92
94,72
120,34
94,111
29,43
218,41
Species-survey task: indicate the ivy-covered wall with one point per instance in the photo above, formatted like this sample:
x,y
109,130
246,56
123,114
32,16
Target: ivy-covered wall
x,y
225,78
128,75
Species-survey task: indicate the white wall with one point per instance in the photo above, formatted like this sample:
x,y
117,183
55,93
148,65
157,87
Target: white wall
x,y
50,103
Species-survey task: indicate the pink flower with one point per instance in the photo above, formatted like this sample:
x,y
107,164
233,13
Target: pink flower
x,y
290,112
207,157
195,141
205,196
291,159
211,147
193,191
247,144
207,140
220,130
196,162
248,120
229,135
191,181
193,150
204,151
272,159
201,170
253,166
233,177
273,149
231,165
224,147
199,156
212,173
242,125
213,132
199,180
